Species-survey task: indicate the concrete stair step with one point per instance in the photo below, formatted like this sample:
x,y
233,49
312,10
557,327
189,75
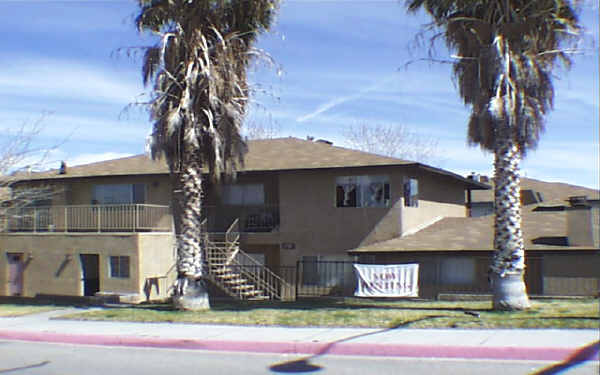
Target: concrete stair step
x,y
222,270
243,287
234,282
259,298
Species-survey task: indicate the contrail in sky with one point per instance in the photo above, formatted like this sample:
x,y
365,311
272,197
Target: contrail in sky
x,y
343,99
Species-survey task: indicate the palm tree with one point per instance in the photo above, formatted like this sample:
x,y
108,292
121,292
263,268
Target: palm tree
x,y
200,94
505,53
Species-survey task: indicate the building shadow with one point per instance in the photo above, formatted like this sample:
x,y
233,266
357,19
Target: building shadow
x,y
583,354
303,364
19,369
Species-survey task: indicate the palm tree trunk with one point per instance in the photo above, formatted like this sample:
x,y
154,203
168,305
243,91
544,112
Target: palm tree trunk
x,y
508,265
190,291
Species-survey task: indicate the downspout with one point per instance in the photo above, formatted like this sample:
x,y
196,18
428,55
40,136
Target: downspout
x,y
469,203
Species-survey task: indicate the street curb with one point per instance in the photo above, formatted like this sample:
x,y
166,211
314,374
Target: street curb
x,y
306,348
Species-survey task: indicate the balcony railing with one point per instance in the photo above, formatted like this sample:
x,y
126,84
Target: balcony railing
x,y
133,218
93,218
253,218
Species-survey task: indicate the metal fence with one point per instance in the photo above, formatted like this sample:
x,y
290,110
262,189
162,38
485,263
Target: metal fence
x,y
560,274
324,278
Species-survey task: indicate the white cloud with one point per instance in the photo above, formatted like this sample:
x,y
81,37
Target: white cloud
x,y
343,99
92,158
93,128
88,127
37,77
51,158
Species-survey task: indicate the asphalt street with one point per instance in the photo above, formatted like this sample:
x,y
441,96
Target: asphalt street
x,y
45,344
48,358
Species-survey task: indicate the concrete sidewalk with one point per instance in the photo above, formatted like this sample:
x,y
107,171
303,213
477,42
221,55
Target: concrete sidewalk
x,y
516,344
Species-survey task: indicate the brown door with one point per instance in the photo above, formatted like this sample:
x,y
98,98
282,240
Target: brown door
x,y
15,274
533,276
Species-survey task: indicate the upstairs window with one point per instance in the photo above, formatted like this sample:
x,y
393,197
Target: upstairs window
x,y
119,194
411,192
244,194
362,191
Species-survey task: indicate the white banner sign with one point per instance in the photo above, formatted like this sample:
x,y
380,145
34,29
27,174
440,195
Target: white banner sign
x,y
398,280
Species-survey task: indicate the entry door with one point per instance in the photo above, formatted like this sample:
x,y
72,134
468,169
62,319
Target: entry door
x,y
90,274
15,274
533,276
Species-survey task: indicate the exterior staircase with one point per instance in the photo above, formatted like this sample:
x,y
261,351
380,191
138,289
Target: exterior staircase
x,y
238,274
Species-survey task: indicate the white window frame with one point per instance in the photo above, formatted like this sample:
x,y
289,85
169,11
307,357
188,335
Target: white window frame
x,y
368,190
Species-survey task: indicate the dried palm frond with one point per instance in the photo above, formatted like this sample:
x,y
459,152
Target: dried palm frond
x,y
537,34
199,70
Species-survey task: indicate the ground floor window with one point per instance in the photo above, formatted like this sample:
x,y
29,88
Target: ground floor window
x,y
458,270
119,267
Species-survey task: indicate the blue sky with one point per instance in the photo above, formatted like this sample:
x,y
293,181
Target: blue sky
x,y
342,62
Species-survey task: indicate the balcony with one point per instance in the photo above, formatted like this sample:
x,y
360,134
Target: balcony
x,y
252,219
84,218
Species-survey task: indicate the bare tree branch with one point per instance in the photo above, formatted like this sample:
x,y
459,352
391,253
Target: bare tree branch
x,y
394,140
254,129
18,158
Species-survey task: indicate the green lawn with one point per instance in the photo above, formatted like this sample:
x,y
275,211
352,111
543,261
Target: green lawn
x,y
8,310
353,312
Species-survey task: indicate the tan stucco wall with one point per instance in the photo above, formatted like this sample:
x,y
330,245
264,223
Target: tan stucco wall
x,y
53,266
583,226
79,191
310,220
157,264
438,198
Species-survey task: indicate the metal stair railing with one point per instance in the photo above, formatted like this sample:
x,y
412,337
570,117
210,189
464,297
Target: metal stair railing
x,y
226,277
223,258
220,254
232,239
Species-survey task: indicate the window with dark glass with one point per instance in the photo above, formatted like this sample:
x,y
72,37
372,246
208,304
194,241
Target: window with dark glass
x,y
411,192
119,267
119,194
362,191
310,274
244,194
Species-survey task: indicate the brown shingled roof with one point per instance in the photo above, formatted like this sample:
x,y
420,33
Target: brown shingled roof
x,y
263,155
293,153
553,192
540,228
467,233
